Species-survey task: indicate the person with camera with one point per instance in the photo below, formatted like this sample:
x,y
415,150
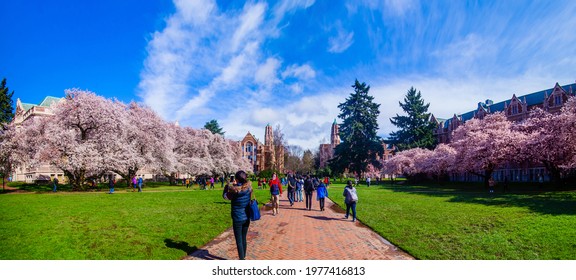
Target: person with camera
x,y
239,192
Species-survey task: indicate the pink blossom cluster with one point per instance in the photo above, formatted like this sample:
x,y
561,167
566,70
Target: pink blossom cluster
x,y
89,136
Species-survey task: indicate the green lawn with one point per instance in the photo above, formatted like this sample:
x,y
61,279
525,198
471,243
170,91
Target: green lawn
x,y
168,222
453,223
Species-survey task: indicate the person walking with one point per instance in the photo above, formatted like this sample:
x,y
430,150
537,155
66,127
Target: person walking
x,y
350,199
211,183
291,189
308,190
134,183
239,192
299,189
276,192
111,183
321,194
55,183
368,180
140,182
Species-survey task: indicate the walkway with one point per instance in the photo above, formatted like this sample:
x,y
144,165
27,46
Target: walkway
x,y
298,234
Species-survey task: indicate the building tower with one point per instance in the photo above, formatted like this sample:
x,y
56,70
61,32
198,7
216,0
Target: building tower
x,y
268,136
335,135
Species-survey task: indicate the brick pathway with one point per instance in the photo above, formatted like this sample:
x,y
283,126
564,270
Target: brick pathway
x,y
298,234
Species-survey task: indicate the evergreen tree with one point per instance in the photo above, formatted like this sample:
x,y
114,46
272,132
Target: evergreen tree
x,y
360,145
416,130
6,104
214,127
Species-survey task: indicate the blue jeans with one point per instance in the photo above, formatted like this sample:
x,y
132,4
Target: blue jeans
x,y
55,188
291,196
353,206
240,233
139,187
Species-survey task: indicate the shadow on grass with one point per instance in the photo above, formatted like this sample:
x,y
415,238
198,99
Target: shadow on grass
x,y
180,245
544,201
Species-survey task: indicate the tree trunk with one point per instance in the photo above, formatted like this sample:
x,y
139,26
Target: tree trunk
x,y
554,171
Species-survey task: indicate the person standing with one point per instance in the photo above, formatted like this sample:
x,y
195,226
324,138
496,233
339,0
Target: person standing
x,y
239,192
276,192
321,194
134,183
140,182
350,199
55,183
368,181
212,182
291,189
111,183
308,190
299,189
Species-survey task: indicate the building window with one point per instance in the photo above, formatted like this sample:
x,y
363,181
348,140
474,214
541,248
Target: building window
x,y
514,110
557,100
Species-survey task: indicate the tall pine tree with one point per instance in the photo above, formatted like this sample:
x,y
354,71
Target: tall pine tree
x,y
416,130
360,145
6,104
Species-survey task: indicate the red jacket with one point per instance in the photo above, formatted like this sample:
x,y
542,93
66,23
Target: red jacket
x,y
276,181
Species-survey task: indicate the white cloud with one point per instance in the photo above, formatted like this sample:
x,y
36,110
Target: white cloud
x,y
266,74
302,72
342,41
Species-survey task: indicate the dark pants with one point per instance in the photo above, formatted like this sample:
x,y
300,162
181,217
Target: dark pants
x,y
321,203
353,206
240,233
309,201
291,196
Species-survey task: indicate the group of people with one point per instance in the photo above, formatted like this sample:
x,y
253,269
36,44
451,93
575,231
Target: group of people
x,y
239,192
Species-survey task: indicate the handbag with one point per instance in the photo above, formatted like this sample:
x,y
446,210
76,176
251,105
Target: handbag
x,y
254,212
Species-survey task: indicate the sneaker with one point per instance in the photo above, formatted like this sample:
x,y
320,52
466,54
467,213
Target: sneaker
x,y
345,217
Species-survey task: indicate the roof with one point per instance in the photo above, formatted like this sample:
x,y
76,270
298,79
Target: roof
x,y
532,99
48,101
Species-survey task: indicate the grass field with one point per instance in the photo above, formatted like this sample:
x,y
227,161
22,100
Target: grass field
x,y
169,222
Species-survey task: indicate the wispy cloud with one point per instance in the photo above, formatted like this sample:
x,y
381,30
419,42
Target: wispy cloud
x,y
254,64
342,41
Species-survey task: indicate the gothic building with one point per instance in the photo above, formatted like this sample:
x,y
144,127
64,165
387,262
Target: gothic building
x,y
516,109
265,156
326,151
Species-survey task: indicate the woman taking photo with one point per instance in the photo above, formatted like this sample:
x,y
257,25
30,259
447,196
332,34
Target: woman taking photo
x,y
239,192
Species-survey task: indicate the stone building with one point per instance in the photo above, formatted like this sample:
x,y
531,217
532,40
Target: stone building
x,y
265,156
25,112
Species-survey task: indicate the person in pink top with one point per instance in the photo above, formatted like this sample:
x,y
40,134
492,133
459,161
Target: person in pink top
x,y
276,192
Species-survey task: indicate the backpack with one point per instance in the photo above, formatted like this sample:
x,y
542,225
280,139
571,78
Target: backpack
x,y
353,195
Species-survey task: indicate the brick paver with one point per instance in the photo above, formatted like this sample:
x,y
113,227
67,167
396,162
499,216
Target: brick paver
x,y
298,234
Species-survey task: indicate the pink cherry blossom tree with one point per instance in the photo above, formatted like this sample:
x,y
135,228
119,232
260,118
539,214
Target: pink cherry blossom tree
x,y
484,145
80,137
550,139
140,142
11,156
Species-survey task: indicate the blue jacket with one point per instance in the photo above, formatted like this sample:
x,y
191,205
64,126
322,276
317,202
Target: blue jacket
x,y
240,205
321,191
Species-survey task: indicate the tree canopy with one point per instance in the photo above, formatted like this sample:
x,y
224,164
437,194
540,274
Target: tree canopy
x,y
416,130
360,144
6,104
214,127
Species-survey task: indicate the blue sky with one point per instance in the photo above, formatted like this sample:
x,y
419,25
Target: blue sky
x,y
286,62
